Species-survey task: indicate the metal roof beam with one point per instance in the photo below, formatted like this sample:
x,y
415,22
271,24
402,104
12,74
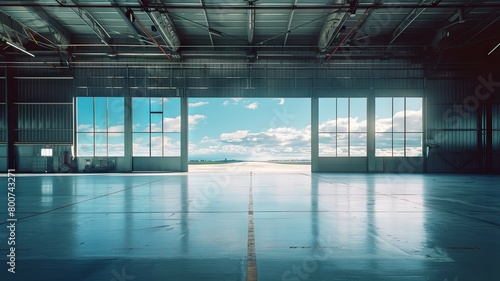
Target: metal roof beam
x,y
412,16
251,21
128,22
202,2
91,22
163,24
61,35
290,20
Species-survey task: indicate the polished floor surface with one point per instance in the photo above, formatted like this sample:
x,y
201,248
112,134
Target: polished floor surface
x,y
244,223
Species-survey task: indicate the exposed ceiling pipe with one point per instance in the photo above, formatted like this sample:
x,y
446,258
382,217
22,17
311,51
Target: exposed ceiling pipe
x,y
151,36
331,29
348,34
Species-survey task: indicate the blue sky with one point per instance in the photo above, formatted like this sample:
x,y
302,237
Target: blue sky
x,y
249,128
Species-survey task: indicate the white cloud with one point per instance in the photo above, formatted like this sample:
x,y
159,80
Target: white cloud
x,y
172,124
275,143
281,101
197,104
234,137
85,128
413,122
253,105
116,129
195,119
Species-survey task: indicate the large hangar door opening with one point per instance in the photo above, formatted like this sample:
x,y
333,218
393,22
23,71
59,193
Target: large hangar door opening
x,y
250,129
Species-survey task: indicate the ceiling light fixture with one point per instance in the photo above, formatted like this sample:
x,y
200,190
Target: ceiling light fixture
x,y
20,48
491,52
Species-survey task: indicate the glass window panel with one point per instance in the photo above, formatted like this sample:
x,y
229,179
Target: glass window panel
x,y
342,145
357,145
85,114
414,144
171,115
414,115
156,122
172,144
101,144
398,144
156,105
342,115
85,144
399,114
414,104
141,144
156,144
100,115
383,144
116,144
140,114
327,145
171,107
327,114
383,115
358,115
116,115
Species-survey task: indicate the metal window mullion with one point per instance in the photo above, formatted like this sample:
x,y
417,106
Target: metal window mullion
x,y
404,128
336,127
149,100
107,126
93,129
162,129
348,127
392,127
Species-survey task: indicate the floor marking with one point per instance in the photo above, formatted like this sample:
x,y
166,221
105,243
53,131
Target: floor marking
x,y
86,200
251,258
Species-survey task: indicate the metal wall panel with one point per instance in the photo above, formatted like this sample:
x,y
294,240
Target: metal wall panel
x,y
50,123
2,89
3,124
45,90
454,126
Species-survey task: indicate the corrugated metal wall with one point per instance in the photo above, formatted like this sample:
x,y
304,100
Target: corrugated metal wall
x,y
45,123
44,109
45,90
456,124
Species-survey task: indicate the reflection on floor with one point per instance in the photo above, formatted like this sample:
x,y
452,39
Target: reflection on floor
x,y
195,226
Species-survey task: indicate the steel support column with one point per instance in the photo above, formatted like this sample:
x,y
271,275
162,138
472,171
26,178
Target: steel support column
x,y
314,133
370,138
11,92
489,137
184,131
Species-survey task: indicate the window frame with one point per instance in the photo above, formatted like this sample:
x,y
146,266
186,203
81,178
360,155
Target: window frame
x,y
405,132
350,132
94,133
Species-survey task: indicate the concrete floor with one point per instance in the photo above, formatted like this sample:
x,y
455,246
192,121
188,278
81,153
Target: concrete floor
x,y
244,223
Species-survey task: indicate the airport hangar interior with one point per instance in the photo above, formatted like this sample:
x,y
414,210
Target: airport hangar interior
x,y
402,148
